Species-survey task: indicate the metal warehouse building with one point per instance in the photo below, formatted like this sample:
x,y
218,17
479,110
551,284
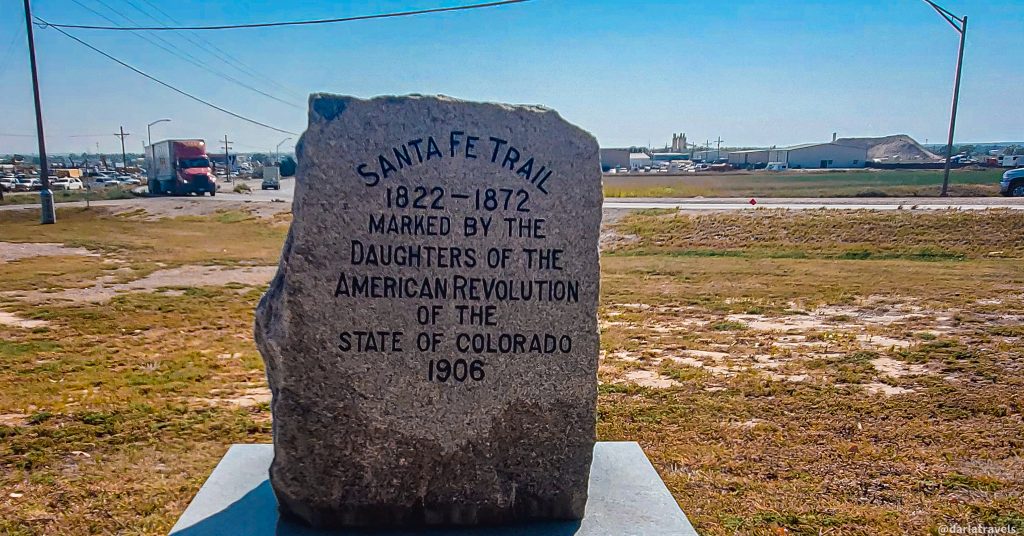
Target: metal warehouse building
x,y
820,155
748,158
614,158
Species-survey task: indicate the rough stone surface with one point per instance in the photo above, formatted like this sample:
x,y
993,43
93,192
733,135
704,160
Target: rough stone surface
x,y
425,427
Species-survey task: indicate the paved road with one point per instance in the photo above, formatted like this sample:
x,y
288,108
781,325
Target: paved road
x,y
724,203
688,204
286,192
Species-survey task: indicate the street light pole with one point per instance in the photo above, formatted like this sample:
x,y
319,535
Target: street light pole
x,y
277,150
47,213
149,131
960,25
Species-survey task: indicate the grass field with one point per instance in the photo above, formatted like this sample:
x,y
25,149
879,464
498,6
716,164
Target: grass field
x,y
865,183
66,196
801,373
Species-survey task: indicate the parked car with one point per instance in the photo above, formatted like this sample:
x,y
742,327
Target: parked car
x,y
105,182
26,184
270,183
7,183
93,175
128,180
67,183
1012,183
776,166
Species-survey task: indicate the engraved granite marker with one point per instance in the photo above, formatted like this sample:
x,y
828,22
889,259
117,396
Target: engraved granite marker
x,y
431,335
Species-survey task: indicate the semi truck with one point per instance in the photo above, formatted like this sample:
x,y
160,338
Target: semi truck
x,y
179,167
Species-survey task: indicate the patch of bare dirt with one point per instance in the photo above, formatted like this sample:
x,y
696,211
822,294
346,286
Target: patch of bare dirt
x,y
155,208
885,389
647,378
185,276
611,238
12,251
15,321
896,369
246,398
13,419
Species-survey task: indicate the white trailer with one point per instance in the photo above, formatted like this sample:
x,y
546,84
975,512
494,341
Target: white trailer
x,y
1016,160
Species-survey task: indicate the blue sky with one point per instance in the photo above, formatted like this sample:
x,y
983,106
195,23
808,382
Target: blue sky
x,y
753,72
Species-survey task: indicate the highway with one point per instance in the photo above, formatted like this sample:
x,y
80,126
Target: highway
x,y
727,204
684,204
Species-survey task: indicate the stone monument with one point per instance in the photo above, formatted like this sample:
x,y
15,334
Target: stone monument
x,y
431,336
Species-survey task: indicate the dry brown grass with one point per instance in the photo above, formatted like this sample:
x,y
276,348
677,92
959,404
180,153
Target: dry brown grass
x,y
805,183
774,415
830,234
779,420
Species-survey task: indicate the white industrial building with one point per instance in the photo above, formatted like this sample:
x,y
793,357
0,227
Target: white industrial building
x,y
639,160
819,155
709,155
629,159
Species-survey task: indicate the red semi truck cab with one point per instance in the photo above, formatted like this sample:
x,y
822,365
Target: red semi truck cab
x,y
180,167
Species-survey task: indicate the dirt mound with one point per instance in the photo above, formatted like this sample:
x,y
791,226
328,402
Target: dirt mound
x,y
899,147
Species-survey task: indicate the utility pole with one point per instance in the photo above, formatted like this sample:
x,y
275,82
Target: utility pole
x,y
960,25
227,163
124,157
47,213
718,149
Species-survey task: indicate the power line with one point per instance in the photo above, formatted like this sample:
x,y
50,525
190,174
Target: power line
x,y
290,23
50,135
241,67
165,84
195,61
10,48
216,50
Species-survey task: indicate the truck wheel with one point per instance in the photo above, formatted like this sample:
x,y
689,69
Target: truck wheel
x,y
212,193
1017,189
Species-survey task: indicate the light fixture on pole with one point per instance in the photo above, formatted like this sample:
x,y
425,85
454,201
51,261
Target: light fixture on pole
x,y
149,132
960,25
277,150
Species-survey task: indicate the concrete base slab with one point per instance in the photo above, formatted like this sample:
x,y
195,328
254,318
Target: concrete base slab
x,y
627,498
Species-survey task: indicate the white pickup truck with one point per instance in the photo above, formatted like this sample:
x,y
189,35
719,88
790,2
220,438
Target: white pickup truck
x,y
66,183
1012,183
